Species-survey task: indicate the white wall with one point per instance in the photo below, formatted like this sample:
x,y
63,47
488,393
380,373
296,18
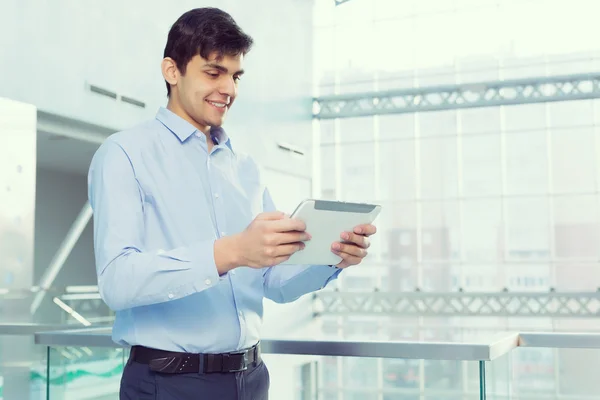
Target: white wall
x,y
57,48
17,188
17,204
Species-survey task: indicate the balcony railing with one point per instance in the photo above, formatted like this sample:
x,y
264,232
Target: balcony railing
x,y
486,368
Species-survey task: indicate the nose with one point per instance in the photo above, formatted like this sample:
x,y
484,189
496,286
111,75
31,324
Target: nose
x,y
228,87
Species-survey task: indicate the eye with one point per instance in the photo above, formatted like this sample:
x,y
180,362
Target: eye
x,y
212,74
237,78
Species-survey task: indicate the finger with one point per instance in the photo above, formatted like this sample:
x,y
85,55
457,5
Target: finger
x,y
359,240
349,259
279,260
288,249
365,230
350,249
291,237
270,216
288,225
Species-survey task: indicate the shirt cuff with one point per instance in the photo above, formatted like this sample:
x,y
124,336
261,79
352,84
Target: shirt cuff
x,y
202,256
327,273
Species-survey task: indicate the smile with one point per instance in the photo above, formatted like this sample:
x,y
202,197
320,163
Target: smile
x,y
217,104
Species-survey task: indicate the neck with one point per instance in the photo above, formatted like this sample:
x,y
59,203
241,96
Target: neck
x,y
175,108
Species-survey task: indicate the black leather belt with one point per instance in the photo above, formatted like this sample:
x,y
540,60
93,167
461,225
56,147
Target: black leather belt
x,y
169,362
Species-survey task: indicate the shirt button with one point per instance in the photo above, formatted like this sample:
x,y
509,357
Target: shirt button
x,y
223,233
240,314
171,295
216,195
232,272
208,282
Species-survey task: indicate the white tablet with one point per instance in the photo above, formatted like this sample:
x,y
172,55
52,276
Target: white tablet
x,y
325,221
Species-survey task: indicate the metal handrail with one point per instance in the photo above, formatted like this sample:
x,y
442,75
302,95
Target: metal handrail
x,y
488,349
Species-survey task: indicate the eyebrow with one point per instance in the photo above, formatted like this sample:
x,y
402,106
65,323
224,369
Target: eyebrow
x,y
222,68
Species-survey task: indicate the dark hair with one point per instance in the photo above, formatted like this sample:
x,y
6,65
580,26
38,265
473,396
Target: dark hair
x,y
204,31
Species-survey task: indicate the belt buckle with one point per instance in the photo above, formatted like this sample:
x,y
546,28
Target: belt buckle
x,y
241,363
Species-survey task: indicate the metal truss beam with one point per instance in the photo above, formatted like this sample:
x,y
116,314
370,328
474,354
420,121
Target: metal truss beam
x,y
553,304
469,95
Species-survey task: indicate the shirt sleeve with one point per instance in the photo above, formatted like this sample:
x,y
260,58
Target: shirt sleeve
x,y
285,283
129,274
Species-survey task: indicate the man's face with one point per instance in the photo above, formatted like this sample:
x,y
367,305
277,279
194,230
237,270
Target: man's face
x,y
209,87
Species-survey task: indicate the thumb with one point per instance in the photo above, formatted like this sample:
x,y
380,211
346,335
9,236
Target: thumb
x,y
270,216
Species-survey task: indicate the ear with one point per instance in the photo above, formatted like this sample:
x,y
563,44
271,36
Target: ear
x,y
170,71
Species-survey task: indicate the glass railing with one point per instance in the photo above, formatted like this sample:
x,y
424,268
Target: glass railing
x,y
86,364
82,372
548,366
23,365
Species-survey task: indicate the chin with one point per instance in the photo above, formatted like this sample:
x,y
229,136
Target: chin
x,y
217,122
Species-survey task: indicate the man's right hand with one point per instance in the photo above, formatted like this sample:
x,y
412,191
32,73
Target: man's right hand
x,y
270,239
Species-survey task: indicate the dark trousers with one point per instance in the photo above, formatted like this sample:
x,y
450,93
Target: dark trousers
x,y
140,383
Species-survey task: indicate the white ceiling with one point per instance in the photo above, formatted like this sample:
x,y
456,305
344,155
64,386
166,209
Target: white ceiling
x,y
67,145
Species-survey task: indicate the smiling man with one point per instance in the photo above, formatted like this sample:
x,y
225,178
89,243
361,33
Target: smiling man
x,y
187,239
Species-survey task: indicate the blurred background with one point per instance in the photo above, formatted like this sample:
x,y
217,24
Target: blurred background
x,y
475,123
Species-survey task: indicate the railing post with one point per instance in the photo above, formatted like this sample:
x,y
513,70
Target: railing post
x,y
482,389
48,373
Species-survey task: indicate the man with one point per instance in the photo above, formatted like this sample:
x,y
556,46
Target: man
x,y
187,238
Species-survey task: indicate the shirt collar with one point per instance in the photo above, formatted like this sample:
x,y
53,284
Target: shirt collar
x,y
183,129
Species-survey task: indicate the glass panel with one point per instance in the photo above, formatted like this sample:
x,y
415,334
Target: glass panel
x,y
526,162
440,231
391,9
528,229
473,69
577,276
327,131
358,172
328,172
324,60
437,123
396,126
438,168
306,377
524,68
397,226
85,372
525,117
397,170
22,368
536,373
480,120
482,230
356,130
400,37
576,234
435,77
571,113
573,160
528,276
482,170
94,373
443,47
438,277
497,378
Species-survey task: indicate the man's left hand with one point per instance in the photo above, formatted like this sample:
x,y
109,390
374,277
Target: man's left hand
x,y
354,245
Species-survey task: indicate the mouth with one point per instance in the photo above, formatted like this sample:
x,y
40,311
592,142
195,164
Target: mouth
x,y
219,106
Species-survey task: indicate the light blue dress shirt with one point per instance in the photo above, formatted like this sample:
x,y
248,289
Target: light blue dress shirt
x,y
160,201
